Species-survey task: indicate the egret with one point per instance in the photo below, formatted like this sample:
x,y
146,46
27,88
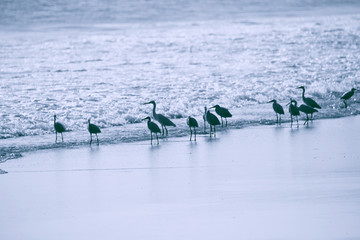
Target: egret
x,y
204,118
212,120
59,128
278,110
164,121
307,110
294,111
154,128
192,123
348,95
309,101
223,113
93,129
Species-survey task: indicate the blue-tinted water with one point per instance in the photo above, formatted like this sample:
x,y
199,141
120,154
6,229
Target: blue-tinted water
x,y
103,59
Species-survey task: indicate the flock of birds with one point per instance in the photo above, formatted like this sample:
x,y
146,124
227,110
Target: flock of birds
x,y
310,107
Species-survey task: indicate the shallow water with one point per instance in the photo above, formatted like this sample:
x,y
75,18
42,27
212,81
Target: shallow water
x,y
107,67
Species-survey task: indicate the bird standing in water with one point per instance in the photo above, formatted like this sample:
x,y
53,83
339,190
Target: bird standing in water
x,y
309,101
93,129
307,110
348,95
154,128
59,128
212,120
294,111
192,123
278,110
164,121
223,113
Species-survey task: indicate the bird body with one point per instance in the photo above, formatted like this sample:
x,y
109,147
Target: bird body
x,y
278,110
154,128
212,120
164,121
93,129
192,123
348,95
294,111
59,128
223,113
309,101
307,110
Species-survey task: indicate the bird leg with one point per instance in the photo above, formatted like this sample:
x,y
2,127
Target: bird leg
x,y
277,118
195,133
297,121
210,130
222,122
204,126
97,139
226,121
151,138
162,128
345,104
157,138
214,131
190,133
62,138
166,130
56,137
307,119
90,138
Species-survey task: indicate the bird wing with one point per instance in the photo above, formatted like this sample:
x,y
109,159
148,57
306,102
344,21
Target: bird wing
x,y
311,103
154,127
165,121
278,108
347,95
59,127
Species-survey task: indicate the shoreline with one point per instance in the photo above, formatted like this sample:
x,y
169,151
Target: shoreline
x,y
291,183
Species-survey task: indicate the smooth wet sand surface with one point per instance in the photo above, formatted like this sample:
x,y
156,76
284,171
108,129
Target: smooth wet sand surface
x,y
264,182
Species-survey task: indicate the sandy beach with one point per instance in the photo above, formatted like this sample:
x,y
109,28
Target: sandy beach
x,y
265,182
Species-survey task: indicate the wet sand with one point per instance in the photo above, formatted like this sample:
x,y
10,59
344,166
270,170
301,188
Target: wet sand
x,y
264,182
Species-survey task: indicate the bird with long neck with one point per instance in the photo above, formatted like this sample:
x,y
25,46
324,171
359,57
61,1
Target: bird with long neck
x,y
154,128
223,113
204,118
93,129
294,111
164,121
348,95
212,120
278,110
307,110
309,101
59,128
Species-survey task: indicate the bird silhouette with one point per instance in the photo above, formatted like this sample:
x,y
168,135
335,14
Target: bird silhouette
x,y
348,95
164,121
192,123
278,110
294,111
212,120
59,128
223,113
307,110
309,101
154,128
93,129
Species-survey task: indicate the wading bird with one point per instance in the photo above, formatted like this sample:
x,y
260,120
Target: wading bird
x,y
204,118
212,120
307,110
59,128
164,121
192,123
348,95
223,113
278,110
154,128
294,111
93,129
309,101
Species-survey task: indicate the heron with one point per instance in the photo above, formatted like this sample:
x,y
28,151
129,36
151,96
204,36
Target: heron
x,y
212,120
164,121
307,110
294,111
93,129
154,128
278,110
192,123
223,113
348,95
204,118
309,101
59,128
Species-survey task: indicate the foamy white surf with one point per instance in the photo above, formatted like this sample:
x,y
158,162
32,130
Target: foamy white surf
x,y
90,59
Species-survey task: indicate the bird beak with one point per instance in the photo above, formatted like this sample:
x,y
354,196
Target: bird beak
x,y
270,101
146,103
288,104
211,107
143,119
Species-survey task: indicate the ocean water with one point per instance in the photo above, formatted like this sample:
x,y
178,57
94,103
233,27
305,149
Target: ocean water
x,y
103,59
